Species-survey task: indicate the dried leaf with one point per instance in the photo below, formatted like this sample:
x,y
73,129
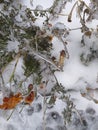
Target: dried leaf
x,y
61,59
29,99
49,38
88,33
11,102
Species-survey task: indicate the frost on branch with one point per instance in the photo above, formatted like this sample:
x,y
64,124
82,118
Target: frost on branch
x,y
90,47
60,30
38,66
94,7
33,50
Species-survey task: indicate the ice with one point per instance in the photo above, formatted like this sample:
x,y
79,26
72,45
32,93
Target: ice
x,y
75,77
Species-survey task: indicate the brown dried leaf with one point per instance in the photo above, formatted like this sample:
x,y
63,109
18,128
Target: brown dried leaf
x,y
61,59
29,99
88,34
11,102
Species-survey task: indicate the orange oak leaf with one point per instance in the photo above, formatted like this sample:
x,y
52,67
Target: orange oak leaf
x,y
29,99
11,102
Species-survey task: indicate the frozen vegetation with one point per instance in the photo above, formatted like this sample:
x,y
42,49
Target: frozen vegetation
x,y
49,65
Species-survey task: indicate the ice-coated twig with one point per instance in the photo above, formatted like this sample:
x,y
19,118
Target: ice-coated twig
x,y
44,108
85,5
74,29
12,75
76,111
55,77
2,79
31,51
44,113
11,114
62,14
21,109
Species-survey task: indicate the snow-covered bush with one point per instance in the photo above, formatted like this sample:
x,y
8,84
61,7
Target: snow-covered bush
x,y
90,46
29,87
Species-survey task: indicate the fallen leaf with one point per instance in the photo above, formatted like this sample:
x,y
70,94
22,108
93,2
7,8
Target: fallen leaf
x,y
11,102
29,99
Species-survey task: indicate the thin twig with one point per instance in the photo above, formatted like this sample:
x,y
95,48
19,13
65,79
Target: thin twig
x,y
84,27
48,10
55,77
12,75
62,14
75,29
65,48
44,108
2,79
75,110
85,5
44,113
35,10
22,109
11,114
20,84
43,58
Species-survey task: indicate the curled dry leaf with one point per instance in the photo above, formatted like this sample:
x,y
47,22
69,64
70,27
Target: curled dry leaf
x,y
61,59
29,99
11,102
70,14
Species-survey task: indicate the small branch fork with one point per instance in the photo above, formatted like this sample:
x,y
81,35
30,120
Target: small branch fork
x,y
31,51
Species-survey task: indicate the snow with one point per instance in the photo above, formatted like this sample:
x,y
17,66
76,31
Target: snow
x,y
75,76
44,4
13,46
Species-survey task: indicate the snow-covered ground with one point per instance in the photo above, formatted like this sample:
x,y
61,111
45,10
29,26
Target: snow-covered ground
x,y
75,76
